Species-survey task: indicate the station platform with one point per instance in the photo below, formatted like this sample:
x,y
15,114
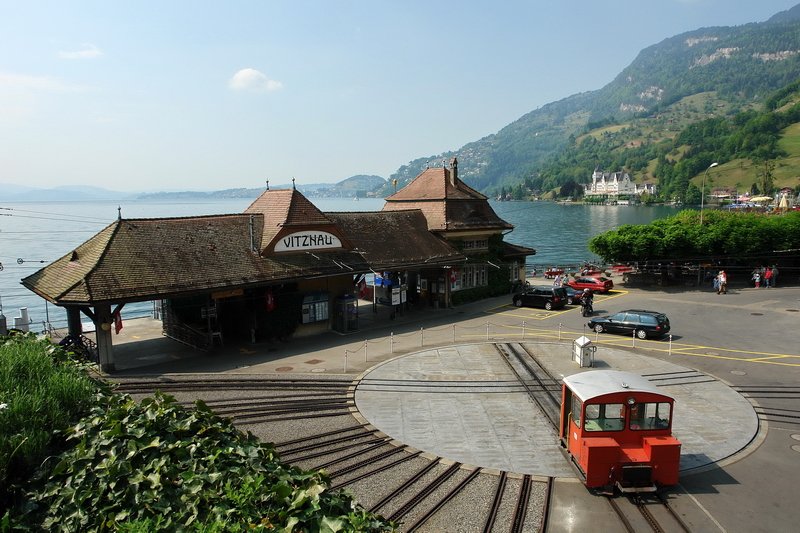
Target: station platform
x,y
463,403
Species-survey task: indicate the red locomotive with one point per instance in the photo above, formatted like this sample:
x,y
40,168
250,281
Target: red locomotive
x,y
617,429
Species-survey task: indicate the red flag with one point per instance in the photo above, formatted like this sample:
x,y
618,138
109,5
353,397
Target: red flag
x,y
117,322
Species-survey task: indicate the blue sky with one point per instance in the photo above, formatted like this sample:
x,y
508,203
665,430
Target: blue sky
x,y
148,96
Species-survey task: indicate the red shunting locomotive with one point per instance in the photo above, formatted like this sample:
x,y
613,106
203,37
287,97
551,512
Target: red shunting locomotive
x,y
617,429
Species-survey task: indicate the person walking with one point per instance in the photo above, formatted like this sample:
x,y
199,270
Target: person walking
x,y
723,283
767,277
557,281
757,279
774,275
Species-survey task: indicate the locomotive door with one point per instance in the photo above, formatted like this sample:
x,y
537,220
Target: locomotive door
x,y
570,411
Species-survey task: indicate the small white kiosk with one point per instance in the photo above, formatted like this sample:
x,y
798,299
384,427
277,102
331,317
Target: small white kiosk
x,y
583,351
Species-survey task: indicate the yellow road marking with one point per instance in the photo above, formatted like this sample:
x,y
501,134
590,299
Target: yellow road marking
x,y
758,359
691,350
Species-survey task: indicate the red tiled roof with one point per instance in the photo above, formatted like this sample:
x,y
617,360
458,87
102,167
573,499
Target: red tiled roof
x,y
282,208
448,203
435,184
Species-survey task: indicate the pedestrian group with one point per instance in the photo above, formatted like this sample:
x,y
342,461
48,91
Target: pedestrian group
x,y
766,276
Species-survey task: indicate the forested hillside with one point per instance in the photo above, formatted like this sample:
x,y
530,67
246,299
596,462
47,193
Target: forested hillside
x,y
750,148
714,72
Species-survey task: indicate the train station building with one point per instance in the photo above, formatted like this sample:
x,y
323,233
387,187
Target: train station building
x,y
283,268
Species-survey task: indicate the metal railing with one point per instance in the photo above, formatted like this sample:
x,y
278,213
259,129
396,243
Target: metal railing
x,y
396,344
188,335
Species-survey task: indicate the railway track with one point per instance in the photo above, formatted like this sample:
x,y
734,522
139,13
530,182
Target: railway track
x,y
636,513
647,513
312,427
777,404
311,424
543,389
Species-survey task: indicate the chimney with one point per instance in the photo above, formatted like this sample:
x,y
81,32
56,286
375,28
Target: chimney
x,y
454,171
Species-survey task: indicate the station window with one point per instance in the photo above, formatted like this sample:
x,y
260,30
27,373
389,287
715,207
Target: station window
x,y
650,415
474,276
480,244
604,417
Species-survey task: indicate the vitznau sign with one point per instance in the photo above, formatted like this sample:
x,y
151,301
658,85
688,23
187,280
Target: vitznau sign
x,y
307,240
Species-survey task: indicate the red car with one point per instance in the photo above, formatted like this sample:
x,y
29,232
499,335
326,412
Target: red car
x,y
598,284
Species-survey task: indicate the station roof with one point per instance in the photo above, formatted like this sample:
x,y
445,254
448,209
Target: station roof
x,y
143,259
595,383
395,239
448,203
146,259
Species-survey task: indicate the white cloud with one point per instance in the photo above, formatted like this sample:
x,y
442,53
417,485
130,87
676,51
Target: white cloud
x,y
87,51
249,79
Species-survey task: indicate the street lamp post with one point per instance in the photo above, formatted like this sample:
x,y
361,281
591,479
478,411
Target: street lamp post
x,y
703,190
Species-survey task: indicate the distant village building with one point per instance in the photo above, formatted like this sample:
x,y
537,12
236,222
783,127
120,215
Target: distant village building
x,y
616,184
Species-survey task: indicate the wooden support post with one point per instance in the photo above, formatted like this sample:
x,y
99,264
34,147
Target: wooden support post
x,y
105,348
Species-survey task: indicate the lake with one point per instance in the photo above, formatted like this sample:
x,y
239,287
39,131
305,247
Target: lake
x,y
34,234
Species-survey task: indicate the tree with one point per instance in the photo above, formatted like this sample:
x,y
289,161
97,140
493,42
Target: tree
x,y
692,195
765,177
570,189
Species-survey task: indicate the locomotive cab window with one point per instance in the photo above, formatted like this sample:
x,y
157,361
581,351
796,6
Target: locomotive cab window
x,y
650,415
604,417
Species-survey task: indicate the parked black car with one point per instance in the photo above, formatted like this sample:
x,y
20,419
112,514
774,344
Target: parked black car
x,y
543,296
644,323
573,295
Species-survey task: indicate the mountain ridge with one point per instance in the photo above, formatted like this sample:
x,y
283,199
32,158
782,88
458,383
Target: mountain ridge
x,y
721,59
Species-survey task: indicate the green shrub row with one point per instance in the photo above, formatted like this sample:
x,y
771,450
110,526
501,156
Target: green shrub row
x,y
682,237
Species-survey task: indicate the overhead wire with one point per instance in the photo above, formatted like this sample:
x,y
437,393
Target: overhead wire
x,y
47,213
46,232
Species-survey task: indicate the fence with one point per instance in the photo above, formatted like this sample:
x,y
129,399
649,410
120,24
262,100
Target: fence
x,y
375,350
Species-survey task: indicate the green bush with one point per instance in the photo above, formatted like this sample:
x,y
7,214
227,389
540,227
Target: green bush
x,y
157,466
722,234
41,393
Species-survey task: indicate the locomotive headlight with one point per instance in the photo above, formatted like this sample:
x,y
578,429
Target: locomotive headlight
x,y
631,400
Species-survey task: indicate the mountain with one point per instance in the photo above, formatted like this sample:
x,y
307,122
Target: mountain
x,y
360,185
357,186
741,65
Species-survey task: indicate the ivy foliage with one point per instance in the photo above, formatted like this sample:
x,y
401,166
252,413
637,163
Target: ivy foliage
x,y
681,237
156,466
